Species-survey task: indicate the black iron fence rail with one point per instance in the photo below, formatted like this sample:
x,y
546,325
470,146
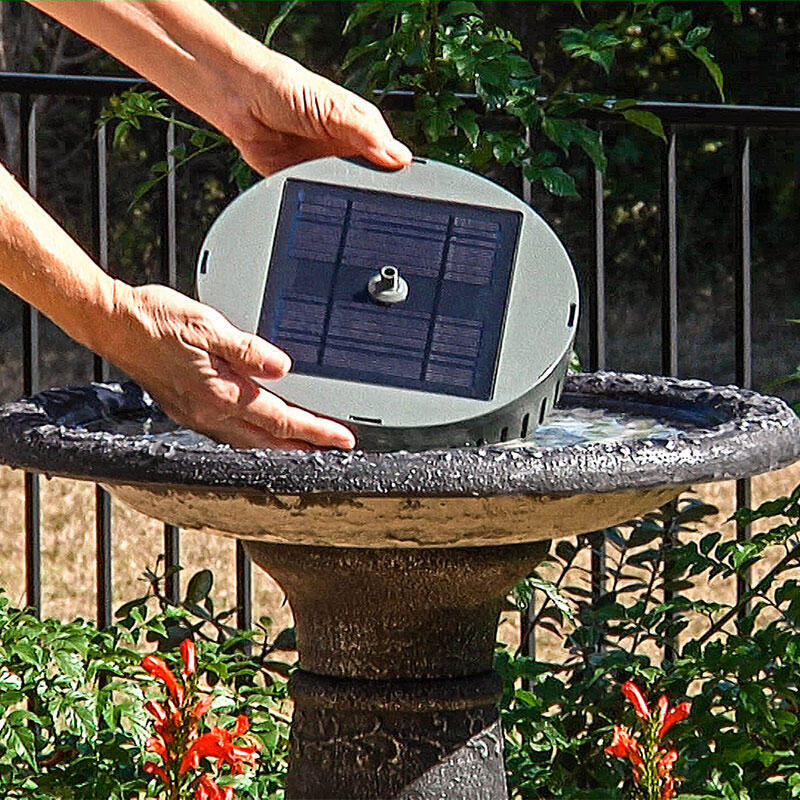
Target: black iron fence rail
x,y
675,116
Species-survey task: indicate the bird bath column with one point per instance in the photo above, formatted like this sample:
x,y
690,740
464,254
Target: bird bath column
x,y
395,696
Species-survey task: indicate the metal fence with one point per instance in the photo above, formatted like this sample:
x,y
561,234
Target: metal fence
x,y
676,117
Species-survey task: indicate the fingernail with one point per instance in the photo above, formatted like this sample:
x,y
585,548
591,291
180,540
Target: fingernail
x,y
285,363
397,151
347,441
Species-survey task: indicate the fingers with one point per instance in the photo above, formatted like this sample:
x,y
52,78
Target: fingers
x,y
240,433
249,355
286,422
362,130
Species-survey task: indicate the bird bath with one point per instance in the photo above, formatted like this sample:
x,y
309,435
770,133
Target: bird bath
x,y
396,564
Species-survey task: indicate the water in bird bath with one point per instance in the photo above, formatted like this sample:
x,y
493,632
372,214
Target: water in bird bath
x,y
564,427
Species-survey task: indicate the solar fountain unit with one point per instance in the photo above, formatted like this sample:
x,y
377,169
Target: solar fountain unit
x,y
426,307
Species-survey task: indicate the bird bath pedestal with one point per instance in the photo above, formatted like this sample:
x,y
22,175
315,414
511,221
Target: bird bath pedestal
x,y
396,564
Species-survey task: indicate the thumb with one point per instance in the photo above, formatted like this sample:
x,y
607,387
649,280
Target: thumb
x,y
250,355
364,130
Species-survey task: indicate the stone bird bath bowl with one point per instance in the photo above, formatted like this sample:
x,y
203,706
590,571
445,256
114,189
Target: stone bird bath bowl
x,y
396,564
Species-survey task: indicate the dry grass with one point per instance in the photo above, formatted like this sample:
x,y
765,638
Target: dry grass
x,y
68,550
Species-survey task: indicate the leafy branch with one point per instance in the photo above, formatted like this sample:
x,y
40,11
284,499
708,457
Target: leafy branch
x,y
442,51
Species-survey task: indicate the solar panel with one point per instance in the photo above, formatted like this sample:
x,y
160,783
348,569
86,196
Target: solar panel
x,y
456,259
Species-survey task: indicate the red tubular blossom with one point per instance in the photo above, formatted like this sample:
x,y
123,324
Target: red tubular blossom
x,y
242,725
189,656
155,744
680,712
156,711
218,744
668,789
634,694
625,746
151,768
158,669
663,707
209,790
202,707
666,763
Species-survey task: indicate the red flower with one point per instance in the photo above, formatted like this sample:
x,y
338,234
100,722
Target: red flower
x,y
156,711
151,768
218,743
625,746
158,669
208,790
666,763
680,712
242,725
634,694
202,707
663,706
189,656
155,744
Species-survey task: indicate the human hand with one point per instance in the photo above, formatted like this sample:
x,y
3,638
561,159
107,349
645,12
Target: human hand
x,y
201,370
283,114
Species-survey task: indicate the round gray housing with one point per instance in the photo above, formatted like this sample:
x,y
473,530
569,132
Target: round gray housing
x,y
426,307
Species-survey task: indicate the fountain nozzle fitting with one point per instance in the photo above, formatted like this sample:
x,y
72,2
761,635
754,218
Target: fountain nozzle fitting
x,y
387,286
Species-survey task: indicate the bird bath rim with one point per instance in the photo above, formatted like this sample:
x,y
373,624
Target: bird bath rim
x,y
746,434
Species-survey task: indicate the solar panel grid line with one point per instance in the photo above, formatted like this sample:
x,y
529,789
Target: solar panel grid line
x,y
438,293
357,346
30,368
372,362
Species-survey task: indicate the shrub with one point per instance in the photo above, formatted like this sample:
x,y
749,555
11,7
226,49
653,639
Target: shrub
x,y
73,722
740,666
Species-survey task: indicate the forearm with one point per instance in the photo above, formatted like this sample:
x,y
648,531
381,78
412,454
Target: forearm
x,y
44,266
183,46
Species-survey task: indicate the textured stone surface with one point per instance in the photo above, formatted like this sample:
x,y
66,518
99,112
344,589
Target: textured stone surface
x,y
372,739
378,614
395,697
392,522
744,434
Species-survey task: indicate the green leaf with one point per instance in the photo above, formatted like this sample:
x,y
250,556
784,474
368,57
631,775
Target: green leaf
x,y
354,53
697,35
564,132
647,120
554,179
701,54
361,12
735,7
199,137
120,132
278,20
459,8
199,586
466,120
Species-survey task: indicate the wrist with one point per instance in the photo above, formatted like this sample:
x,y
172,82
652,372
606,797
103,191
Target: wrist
x,y
109,321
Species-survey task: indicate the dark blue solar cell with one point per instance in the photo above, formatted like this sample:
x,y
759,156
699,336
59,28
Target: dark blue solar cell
x,y
456,259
